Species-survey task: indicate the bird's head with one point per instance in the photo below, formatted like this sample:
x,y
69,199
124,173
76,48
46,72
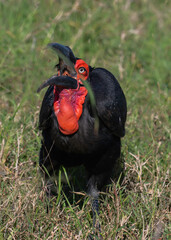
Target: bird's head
x,y
68,88
71,71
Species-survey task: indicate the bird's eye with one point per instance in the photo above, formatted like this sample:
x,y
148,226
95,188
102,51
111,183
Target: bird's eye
x,y
82,70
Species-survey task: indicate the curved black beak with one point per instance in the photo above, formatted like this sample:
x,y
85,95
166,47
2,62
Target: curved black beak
x,y
60,81
64,53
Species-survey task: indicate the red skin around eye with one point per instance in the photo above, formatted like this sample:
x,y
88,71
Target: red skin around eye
x,y
81,63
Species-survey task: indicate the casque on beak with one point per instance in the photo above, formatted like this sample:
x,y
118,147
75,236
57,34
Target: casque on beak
x,y
67,74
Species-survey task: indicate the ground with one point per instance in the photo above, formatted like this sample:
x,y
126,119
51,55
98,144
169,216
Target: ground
x,y
132,40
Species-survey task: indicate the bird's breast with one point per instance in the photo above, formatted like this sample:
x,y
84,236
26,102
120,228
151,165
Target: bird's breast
x,y
86,140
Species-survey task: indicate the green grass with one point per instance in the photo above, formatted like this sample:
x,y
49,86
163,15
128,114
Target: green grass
x,y
132,40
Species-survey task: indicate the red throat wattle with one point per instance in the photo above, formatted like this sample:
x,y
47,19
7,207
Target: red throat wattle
x,y
68,103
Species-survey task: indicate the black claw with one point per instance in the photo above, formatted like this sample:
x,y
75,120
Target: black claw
x,y
90,237
94,237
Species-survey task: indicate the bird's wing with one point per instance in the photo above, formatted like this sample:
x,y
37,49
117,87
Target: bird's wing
x,y
110,100
46,109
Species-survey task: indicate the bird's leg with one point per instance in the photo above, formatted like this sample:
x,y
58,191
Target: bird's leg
x,y
95,210
94,194
96,225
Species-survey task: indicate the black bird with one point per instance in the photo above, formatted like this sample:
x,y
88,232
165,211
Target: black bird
x,y
75,130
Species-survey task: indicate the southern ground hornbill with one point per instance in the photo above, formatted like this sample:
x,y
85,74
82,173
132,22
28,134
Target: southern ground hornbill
x,y
68,118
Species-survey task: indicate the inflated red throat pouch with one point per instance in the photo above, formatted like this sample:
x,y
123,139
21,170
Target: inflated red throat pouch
x,y
68,107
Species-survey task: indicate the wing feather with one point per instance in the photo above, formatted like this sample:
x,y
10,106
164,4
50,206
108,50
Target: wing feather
x,y
110,100
46,109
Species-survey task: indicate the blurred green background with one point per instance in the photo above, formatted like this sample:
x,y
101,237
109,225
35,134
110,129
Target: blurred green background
x,y
132,39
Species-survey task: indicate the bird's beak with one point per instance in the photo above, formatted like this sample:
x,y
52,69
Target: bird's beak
x,y
60,81
66,56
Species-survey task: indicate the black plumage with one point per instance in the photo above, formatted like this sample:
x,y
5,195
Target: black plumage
x,y
96,150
